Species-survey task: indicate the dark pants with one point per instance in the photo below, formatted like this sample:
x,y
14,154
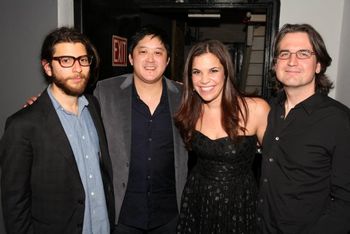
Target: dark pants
x,y
169,228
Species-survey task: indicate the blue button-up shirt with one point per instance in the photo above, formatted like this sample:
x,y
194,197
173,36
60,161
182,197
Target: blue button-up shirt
x,y
83,139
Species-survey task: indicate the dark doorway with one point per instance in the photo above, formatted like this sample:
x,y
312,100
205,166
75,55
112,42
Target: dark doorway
x,y
247,27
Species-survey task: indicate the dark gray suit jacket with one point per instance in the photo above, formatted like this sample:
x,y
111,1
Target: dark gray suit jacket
x,y
114,95
40,183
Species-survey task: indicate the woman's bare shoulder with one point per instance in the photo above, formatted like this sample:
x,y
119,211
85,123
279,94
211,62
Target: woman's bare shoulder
x,y
257,106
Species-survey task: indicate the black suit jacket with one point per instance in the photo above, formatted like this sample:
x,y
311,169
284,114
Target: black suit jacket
x,y
41,187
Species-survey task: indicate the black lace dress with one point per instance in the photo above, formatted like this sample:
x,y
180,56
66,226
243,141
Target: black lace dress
x,y
220,193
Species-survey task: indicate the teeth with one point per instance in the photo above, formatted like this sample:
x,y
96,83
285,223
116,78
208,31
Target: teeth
x,y
207,88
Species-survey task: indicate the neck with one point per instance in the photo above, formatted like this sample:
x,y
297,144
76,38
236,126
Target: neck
x,y
68,102
295,96
144,88
149,93
212,106
211,109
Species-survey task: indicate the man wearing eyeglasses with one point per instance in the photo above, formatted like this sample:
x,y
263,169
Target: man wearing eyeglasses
x,y
305,181
56,172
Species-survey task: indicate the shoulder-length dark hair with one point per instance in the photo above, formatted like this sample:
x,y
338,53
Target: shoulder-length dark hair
x,y
323,84
66,34
233,105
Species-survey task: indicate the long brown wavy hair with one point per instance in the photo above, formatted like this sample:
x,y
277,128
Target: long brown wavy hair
x,y
323,84
233,104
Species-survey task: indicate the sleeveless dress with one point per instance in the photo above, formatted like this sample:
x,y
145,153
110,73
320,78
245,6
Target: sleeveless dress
x,y
221,191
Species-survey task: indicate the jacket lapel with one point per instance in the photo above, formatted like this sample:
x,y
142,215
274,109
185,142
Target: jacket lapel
x,y
126,108
56,131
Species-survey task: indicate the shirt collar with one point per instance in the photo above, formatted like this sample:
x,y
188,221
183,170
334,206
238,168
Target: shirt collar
x,y
162,98
310,104
82,102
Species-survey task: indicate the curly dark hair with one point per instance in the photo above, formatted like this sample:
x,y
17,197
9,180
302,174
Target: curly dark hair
x,y
66,34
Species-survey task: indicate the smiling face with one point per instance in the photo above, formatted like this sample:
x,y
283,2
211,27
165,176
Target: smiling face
x,y
149,59
295,73
72,80
208,77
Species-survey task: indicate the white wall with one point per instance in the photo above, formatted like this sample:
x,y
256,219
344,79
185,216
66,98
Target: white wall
x,y
65,13
327,17
343,83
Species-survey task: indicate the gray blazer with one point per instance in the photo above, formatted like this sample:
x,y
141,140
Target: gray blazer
x,y
114,95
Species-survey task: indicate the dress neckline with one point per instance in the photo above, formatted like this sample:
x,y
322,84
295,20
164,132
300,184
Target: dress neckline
x,y
224,137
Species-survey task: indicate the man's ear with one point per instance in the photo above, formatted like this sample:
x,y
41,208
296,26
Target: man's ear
x,y
131,60
47,67
318,68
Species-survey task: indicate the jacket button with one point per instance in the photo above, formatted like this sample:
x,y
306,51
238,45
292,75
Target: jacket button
x,y
81,202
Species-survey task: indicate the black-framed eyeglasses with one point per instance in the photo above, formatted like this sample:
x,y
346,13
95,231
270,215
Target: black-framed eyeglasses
x,y
301,54
68,61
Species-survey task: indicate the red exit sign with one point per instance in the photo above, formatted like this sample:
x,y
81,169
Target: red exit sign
x,y
119,51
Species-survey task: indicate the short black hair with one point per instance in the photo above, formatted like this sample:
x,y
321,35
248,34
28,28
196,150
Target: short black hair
x,y
149,30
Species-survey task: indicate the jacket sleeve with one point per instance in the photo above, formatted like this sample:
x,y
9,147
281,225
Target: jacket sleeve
x,y
16,159
336,219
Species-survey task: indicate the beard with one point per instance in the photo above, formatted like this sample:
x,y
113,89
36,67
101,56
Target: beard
x,y
68,89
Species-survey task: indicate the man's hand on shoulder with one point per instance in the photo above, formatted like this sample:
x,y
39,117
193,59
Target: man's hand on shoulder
x,y
31,100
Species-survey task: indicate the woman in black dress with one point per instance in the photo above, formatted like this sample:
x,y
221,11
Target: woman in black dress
x,y
221,127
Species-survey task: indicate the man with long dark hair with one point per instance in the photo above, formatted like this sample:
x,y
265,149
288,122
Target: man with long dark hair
x,y
305,181
56,172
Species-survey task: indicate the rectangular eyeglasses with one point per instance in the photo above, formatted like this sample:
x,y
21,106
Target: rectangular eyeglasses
x,y
301,54
68,61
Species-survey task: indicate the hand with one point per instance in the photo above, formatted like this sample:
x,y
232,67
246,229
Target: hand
x,y
31,100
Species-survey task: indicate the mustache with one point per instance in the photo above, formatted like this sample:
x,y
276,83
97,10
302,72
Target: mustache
x,y
72,77
81,76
